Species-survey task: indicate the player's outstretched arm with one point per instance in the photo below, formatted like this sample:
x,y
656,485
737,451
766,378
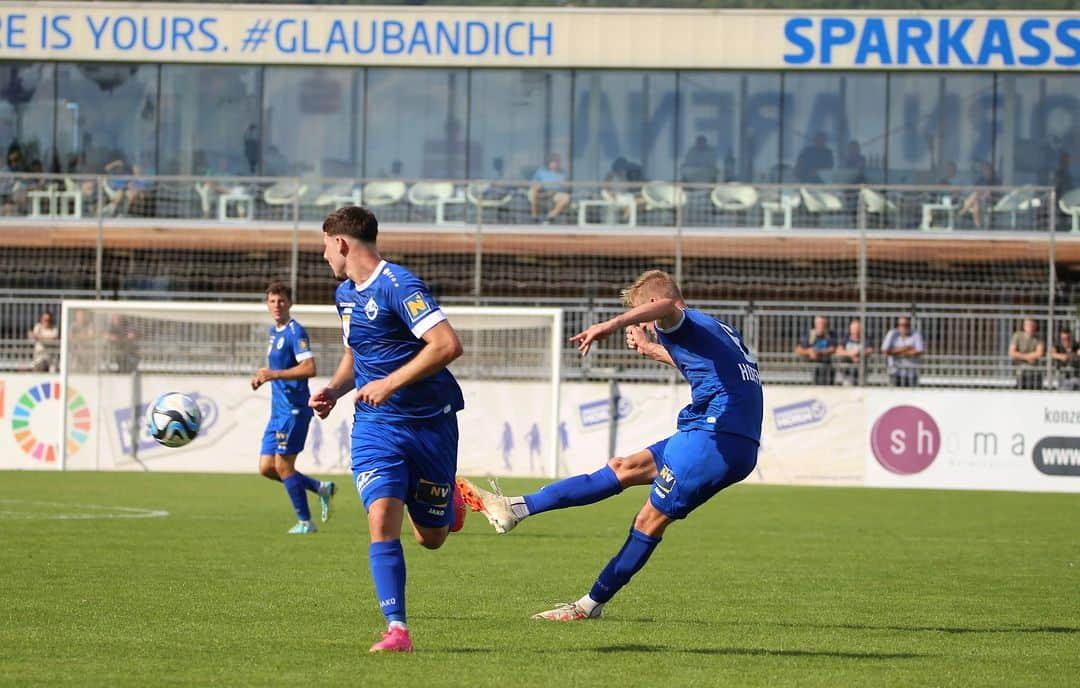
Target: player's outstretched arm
x,y
441,347
323,401
664,311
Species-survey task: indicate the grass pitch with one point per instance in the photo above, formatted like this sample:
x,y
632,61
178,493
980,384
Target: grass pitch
x,y
763,586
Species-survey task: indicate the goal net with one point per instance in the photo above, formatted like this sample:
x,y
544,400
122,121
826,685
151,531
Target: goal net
x,y
117,356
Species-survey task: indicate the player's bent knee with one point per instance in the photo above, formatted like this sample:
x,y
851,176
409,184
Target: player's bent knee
x,y
430,538
651,521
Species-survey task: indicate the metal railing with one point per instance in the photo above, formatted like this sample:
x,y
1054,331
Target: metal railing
x,y
966,347
238,201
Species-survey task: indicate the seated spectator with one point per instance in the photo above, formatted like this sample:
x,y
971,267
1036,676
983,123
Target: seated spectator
x,y
123,346
853,350
902,347
947,174
623,184
1066,355
818,346
1026,350
976,202
550,185
700,163
46,337
116,188
812,159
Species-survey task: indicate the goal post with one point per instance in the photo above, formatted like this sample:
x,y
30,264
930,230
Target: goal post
x,y
117,356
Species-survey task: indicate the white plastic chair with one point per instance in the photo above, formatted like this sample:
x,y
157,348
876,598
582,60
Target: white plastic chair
x,y
428,194
1017,201
338,194
817,201
734,197
876,202
382,193
485,195
1070,205
663,196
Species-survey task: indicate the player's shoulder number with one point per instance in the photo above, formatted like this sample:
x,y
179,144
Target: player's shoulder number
x,y
730,331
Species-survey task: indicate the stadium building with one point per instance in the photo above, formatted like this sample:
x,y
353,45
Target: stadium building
x,y
781,164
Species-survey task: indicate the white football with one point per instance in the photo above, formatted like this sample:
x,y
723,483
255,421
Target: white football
x,y
173,419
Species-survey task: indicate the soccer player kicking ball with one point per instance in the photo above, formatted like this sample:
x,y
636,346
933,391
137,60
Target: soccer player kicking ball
x,y
289,365
405,435
715,444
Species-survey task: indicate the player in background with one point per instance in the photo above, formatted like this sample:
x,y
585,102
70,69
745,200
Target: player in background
x,y
405,433
715,444
289,365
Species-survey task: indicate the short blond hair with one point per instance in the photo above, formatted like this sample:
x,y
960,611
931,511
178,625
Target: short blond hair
x,y
654,283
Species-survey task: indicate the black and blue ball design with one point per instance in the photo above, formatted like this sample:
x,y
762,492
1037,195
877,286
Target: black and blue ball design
x,y
173,419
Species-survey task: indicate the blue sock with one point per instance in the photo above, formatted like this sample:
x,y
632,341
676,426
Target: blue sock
x,y
634,553
294,485
387,562
577,490
310,484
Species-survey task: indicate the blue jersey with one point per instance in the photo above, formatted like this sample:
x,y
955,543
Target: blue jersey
x,y
288,346
382,321
725,386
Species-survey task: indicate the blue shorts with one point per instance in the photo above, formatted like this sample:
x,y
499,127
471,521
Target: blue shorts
x,y
693,465
285,435
413,462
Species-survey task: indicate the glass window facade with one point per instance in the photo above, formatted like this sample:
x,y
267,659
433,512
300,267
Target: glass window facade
x,y
729,126
106,112
689,125
210,122
415,124
629,115
941,128
312,121
28,114
833,128
517,118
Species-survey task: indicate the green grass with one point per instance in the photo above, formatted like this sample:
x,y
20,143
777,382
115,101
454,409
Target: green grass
x,y
763,586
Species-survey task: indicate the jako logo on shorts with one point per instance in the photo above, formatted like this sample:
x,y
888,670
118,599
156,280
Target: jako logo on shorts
x,y
905,440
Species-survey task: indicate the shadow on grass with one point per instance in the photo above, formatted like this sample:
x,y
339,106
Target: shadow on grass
x,y
955,630
632,648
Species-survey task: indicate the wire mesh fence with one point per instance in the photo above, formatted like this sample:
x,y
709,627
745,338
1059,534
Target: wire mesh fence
x,y
965,264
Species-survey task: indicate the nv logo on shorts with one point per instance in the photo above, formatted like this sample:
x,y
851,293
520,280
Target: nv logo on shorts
x,y
433,494
664,482
416,305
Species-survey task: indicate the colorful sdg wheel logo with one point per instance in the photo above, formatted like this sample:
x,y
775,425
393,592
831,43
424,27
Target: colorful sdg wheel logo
x,y
35,403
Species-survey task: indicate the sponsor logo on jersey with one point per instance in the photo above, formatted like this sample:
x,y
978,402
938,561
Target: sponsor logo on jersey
x,y
371,309
416,305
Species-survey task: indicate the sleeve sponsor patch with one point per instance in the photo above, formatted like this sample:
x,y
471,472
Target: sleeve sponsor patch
x,y
302,345
416,305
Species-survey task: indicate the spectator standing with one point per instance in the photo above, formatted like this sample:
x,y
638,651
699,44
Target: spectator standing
x,y
123,344
818,347
1026,350
903,347
853,350
1066,355
549,184
81,344
700,163
46,337
812,159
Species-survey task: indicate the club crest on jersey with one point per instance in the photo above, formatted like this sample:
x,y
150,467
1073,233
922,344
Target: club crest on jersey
x,y
416,305
302,344
371,310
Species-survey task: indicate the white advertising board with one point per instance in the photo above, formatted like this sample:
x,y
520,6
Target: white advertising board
x,y
973,440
